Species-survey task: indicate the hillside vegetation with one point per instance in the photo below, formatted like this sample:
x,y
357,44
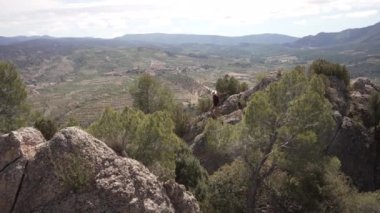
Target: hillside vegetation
x,y
284,149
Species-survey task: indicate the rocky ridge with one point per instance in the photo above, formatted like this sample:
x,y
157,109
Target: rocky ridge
x,y
353,140
227,112
75,172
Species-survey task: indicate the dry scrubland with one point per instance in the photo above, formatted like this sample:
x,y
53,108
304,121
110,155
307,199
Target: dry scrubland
x,y
81,85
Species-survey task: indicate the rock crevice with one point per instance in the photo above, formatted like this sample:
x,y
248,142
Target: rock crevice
x,y
19,187
9,164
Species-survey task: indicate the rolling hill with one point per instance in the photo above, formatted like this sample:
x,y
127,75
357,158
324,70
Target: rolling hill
x,y
17,39
360,38
351,37
160,39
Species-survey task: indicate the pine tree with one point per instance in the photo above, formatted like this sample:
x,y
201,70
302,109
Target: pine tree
x,y
13,108
150,96
110,128
284,126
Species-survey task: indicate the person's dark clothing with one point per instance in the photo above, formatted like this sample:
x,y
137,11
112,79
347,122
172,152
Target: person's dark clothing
x,y
215,100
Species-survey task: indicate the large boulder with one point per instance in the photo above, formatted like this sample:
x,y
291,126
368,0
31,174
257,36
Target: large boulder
x,y
233,118
75,172
182,201
353,146
359,96
363,85
16,149
19,144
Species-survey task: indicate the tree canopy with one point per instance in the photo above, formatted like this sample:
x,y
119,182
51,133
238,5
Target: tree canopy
x,y
330,69
150,96
229,85
148,138
13,107
285,125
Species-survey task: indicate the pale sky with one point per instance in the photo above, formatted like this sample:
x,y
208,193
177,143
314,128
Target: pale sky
x,y
111,18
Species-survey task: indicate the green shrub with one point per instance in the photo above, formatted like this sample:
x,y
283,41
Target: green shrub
x,y
227,188
148,138
221,138
110,129
204,105
47,127
75,173
330,69
189,172
181,119
243,87
228,85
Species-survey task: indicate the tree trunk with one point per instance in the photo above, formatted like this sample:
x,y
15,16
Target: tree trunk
x,y
252,193
257,175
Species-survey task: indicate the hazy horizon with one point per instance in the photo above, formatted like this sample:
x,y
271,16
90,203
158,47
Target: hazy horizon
x,y
113,18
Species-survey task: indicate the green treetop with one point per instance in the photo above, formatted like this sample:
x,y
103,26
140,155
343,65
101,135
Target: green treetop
x,y
150,96
13,107
330,69
291,116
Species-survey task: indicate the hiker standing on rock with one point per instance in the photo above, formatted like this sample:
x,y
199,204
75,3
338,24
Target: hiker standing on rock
x,y
215,102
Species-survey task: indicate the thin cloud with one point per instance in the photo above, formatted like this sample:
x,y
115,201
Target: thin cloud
x,y
300,22
362,14
334,16
355,14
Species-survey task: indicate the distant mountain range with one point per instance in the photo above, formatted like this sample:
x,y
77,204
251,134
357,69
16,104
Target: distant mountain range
x,y
19,39
361,36
165,39
367,35
208,39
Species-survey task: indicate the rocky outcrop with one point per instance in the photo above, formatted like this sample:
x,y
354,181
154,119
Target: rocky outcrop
x,y
182,201
337,94
360,93
354,142
16,149
75,172
227,112
233,118
231,104
353,147
363,85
